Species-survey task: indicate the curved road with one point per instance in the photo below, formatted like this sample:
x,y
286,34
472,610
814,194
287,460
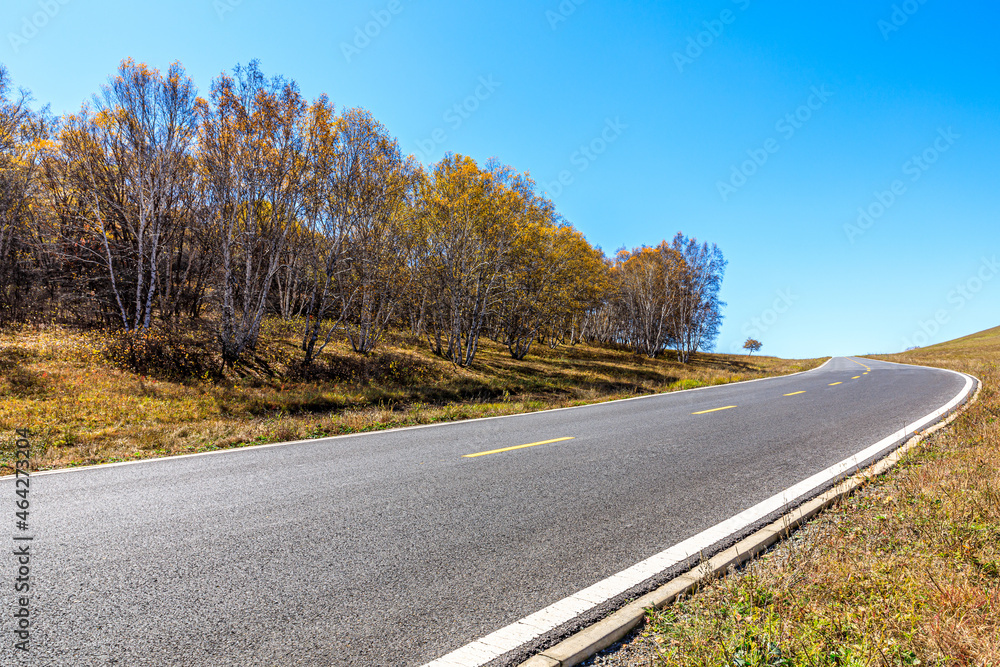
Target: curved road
x,y
396,548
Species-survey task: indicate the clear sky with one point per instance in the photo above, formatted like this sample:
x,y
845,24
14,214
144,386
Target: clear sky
x,y
766,127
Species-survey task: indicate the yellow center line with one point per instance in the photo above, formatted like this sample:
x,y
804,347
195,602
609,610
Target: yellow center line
x,y
705,412
867,368
856,377
510,449
834,384
795,393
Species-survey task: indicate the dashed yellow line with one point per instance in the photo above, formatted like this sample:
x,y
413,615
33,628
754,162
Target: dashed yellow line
x,y
795,393
510,449
834,384
856,377
867,368
705,412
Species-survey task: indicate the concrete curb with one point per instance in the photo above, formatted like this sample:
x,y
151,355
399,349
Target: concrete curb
x,y
589,641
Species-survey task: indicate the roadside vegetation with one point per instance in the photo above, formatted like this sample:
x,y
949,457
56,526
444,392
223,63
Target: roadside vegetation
x,y
181,273
153,209
84,403
905,572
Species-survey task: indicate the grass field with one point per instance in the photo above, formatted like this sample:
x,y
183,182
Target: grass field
x,y
905,572
84,406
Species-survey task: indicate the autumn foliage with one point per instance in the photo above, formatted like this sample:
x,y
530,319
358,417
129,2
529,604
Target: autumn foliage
x,y
152,205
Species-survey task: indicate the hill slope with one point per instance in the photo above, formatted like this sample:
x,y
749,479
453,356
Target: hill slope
x,y
983,346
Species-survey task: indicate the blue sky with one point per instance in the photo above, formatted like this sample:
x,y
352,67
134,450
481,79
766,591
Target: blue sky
x,y
768,128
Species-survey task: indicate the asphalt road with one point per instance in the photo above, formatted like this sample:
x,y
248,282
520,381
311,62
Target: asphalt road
x,y
395,548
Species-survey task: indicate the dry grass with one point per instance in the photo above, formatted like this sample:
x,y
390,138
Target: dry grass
x,y
73,391
905,572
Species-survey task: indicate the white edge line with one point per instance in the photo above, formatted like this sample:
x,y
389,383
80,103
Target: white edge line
x,y
636,574
313,441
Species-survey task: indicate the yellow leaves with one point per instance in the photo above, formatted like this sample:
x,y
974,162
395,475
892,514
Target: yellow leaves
x,y
104,119
39,144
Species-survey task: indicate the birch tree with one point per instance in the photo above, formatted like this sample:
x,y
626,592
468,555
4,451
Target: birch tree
x,y
363,255
22,136
253,162
126,179
468,226
648,283
697,314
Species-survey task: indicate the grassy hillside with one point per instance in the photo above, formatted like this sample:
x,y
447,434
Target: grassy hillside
x,y
906,572
982,347
84,405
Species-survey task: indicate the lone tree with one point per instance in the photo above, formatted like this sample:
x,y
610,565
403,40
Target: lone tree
x,y
752,345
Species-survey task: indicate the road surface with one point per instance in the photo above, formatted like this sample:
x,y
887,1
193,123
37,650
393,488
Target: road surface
x,y
396,548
